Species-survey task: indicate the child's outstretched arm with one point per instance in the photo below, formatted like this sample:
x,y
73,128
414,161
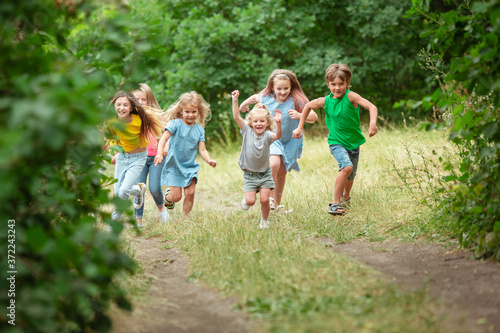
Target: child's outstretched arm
x,y
236,110
356,100
161,146
250,100
205,155
277,119
314,104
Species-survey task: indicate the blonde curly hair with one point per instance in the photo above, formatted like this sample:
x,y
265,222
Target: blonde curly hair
x,y
261,108
174,111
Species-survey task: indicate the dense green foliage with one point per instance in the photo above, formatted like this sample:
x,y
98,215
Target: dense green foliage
x,y
463,52
61,266
214,47
60,65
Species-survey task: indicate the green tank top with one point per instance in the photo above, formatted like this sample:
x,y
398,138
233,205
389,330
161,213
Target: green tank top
x,y
342,120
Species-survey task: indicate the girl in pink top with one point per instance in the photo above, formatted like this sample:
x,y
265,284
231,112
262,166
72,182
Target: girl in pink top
x,y
148,100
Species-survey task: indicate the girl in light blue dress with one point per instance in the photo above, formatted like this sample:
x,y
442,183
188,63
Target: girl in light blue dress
x,y
284,93
185,121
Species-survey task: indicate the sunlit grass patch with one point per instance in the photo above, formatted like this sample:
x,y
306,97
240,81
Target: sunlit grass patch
x,y
281,275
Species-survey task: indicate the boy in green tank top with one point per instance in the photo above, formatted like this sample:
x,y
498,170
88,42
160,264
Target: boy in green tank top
x,y
344,130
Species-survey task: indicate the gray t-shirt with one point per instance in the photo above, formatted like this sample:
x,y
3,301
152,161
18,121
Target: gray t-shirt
x,y
255,152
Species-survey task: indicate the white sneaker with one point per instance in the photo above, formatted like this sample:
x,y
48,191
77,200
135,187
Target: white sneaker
x,y
139,200
244,204
272,205
264,224
164,217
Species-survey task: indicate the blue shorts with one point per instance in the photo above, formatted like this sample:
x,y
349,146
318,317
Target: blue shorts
x,y
346,158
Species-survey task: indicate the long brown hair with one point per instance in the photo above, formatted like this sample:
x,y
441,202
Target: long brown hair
x,y
149,123
299,97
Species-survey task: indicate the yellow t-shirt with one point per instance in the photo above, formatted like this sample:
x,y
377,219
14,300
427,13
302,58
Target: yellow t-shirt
x,y
129,135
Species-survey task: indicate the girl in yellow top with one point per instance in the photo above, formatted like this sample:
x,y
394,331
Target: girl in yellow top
x,y
131,127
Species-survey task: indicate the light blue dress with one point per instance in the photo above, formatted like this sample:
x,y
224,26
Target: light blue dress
x,y
287,147
181,167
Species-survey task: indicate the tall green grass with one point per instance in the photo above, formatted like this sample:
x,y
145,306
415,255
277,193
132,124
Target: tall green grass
x,y
281,275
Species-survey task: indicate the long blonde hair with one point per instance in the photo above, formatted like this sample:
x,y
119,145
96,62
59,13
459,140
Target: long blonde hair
x,y
174,111
152,103
261,108
149,123
299,97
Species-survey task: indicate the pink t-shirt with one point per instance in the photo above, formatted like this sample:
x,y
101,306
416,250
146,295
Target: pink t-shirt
x,y
153,145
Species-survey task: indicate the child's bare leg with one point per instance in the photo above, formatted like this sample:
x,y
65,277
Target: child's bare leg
x,y
250,198
264,202
188,203
279,178
275,163
340,183
347,188
175,194
279,183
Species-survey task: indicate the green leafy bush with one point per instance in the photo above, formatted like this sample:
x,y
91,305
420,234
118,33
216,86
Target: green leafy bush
x,y
463,52
63,267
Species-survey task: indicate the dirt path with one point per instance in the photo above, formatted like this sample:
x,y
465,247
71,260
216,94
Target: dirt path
x,y
467,290
172,304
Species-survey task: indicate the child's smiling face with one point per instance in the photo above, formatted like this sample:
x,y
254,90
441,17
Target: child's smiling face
x,y
259,123
281,89
123,108
141,97
338,87
189,114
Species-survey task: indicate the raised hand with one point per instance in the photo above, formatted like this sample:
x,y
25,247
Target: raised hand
x,y
277,116
235,94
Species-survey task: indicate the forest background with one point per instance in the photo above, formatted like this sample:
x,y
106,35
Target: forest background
x,y
429,62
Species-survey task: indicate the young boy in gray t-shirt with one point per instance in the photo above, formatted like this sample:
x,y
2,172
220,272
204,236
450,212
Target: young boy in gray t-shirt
x,y
257,134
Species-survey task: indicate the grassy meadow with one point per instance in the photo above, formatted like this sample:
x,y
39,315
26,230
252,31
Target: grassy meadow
x,y
282,276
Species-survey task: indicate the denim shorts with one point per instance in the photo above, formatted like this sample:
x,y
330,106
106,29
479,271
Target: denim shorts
x,y
346,158
253,181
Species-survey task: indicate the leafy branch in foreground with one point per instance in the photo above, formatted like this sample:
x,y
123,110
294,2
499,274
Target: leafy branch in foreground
x,y
465,36
50,161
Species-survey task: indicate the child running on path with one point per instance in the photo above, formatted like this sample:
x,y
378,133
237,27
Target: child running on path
x,y
284,93
185,121
257,134
131,126
148,100
344,131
